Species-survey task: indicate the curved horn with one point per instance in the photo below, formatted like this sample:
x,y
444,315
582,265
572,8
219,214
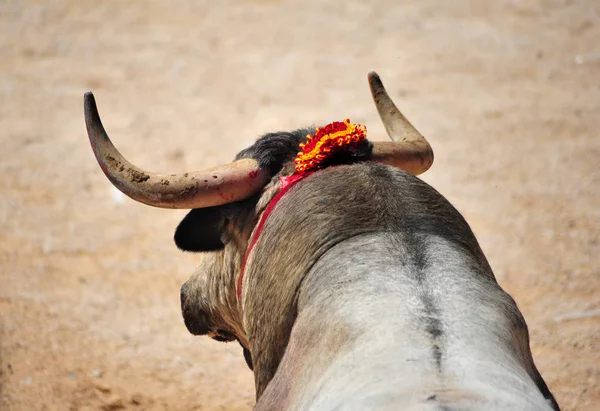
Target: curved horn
x,y
210,187
408,150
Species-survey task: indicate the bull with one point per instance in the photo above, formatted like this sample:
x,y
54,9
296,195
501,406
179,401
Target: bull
x,y
365,290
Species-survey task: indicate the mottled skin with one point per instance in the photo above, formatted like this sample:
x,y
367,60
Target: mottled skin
x,y
366,290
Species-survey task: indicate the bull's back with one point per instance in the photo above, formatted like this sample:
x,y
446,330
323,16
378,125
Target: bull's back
x,y
399,305
376,333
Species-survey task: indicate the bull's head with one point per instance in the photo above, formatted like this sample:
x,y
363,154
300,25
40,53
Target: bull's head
x,y
226,202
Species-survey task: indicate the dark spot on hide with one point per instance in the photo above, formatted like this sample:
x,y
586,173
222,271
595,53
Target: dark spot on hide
x,y
433,327
437,356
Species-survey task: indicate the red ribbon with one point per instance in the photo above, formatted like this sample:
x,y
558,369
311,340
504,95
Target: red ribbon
x,y
286,184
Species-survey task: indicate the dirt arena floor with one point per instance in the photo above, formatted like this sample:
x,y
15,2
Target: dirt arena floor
x,y
508,93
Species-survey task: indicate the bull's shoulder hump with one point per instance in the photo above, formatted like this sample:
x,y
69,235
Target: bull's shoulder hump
x,y
373,197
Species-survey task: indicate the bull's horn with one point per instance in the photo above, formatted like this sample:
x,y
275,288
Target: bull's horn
x,y
408,150
210,187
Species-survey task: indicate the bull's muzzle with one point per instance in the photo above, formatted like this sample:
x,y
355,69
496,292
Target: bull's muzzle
x,y
197,320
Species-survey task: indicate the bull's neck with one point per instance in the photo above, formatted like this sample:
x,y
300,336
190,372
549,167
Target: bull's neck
x,y
310,219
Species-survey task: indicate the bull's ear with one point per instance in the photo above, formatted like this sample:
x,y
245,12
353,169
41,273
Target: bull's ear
x,y
201,230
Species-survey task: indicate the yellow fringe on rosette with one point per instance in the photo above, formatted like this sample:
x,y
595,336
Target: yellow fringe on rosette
x,y
333,138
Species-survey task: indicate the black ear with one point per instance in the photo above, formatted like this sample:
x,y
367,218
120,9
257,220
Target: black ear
x,y
201,230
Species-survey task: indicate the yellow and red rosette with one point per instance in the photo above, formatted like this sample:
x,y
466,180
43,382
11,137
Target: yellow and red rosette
x,y
333,138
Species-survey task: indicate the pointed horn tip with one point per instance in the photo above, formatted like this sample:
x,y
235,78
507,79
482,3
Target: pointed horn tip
x,y
375,84
373,76
375,80
90,110
88,98
89,104
93,123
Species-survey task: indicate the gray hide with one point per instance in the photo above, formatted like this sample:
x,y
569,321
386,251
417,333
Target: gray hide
x,y
367,290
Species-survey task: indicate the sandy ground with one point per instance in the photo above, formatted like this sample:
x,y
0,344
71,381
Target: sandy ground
x,y
508,93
